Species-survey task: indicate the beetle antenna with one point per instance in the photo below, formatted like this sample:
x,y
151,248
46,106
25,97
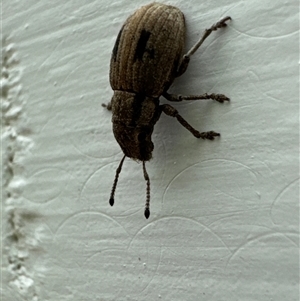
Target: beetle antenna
x,y
112,199
147,205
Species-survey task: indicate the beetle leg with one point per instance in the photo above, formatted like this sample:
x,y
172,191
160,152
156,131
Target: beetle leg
x,y
169,110
218,97
186,57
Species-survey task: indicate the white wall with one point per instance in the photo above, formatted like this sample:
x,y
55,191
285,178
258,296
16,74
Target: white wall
x,y
224,221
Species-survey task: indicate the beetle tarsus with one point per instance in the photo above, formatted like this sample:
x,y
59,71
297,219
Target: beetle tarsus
x,y
210,135
221,23
219,97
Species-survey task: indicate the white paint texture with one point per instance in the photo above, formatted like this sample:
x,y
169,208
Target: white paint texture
x,y
224,221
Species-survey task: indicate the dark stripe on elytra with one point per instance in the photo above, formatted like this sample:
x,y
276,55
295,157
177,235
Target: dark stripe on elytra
x,y
137,108
115,49
173,74
141,45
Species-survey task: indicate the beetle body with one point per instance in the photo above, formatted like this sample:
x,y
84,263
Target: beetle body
x,y
143,65
146,58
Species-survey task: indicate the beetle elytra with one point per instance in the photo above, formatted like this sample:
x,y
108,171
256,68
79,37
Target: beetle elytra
x,y
146,58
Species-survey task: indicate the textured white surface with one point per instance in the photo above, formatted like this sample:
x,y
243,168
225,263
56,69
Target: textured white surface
x,y
224,221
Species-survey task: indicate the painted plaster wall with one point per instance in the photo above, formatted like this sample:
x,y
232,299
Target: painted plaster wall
x,y
224,221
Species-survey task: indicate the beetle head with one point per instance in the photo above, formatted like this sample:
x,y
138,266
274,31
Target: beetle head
x,y
135,141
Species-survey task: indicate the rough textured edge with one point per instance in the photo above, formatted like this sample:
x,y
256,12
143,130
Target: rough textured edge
x,y
16,143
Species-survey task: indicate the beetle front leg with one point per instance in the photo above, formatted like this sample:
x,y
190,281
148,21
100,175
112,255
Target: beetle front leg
x,y
186,58
218,97
170,111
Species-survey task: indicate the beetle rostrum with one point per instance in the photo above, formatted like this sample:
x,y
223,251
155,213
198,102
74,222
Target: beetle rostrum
x,y
147,57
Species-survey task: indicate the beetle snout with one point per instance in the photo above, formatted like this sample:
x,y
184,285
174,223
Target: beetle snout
x,y
135,141
144,145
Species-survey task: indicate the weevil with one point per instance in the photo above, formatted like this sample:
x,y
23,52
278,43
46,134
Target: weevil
x,y
146,58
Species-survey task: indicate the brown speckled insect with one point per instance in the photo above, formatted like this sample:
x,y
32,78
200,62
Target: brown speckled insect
x,y
146,58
